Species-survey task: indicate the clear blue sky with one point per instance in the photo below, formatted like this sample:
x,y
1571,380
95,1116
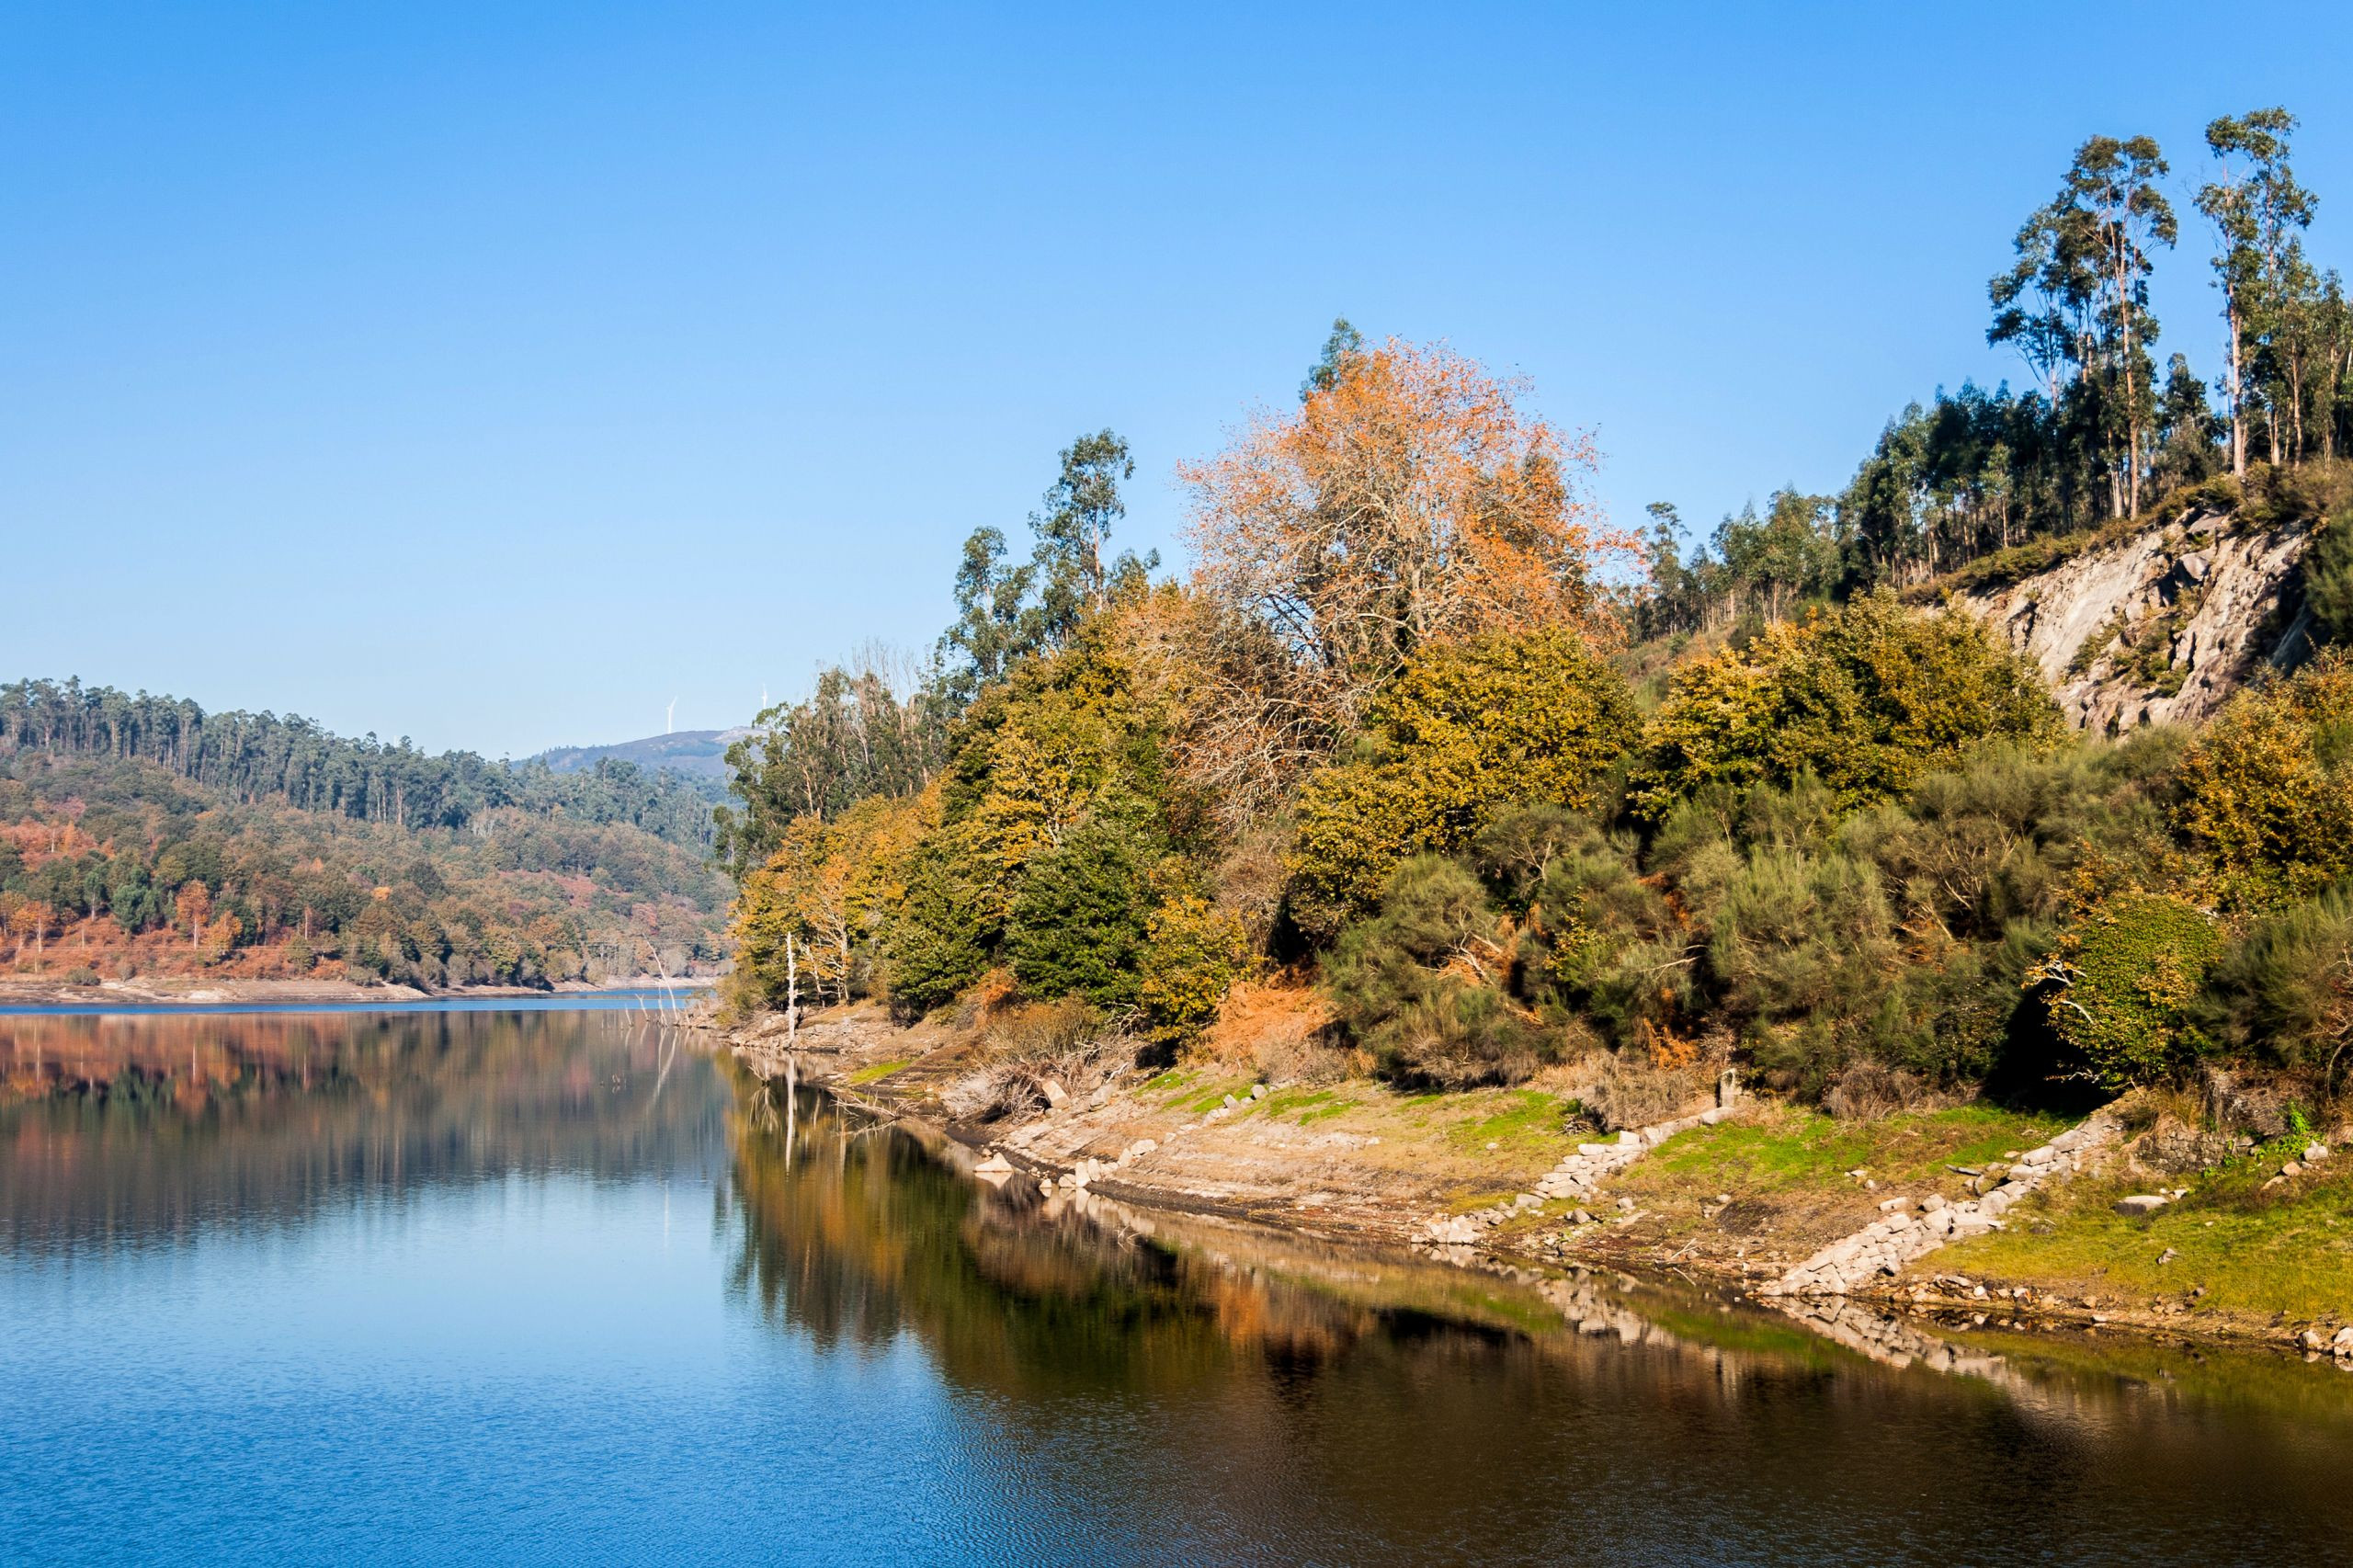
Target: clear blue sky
x,y
494,374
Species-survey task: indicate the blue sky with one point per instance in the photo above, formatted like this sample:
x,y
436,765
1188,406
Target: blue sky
x,y
494,374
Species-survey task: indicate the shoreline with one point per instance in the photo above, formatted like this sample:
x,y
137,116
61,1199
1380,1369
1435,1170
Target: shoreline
x,y
162,992
1216,1165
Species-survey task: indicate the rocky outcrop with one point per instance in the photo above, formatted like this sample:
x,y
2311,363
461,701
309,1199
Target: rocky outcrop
x,y
1885,1246
1579,1176
2159,626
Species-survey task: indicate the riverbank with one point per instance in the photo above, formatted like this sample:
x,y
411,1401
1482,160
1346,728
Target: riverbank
x,y
1738,1200
184,991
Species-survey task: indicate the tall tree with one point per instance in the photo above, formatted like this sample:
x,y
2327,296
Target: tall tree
x,y
1005,611
1412,501
2077,297
1344,343
2115,183
992,625
2042,304
1075,577
2259,211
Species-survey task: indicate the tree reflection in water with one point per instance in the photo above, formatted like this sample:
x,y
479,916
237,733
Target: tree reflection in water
x,y
140,1126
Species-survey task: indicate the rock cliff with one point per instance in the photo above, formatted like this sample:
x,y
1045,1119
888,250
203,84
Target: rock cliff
x,y
2159,625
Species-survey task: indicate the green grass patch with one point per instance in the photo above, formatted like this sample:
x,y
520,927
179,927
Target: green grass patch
x,y
1516,1119
1326,1112
1282,1102
2257,1255
1795,1148
876,1073
1198,1099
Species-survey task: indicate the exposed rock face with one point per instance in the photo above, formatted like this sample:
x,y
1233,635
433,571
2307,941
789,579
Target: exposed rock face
x,y
2162,626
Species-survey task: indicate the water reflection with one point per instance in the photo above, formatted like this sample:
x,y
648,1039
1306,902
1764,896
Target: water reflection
x,y
843,1348
140,1127
1366,1408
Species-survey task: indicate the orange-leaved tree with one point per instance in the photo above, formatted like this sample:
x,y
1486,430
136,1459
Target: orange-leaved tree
x,y
1411,499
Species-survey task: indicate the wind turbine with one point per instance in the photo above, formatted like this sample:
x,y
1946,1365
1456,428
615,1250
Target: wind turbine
x,y
669,717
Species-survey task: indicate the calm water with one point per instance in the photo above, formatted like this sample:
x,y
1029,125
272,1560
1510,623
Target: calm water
x,y
495,1286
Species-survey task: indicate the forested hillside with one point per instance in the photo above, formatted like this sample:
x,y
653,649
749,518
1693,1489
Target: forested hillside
x,y
140,835
256,757
1510,786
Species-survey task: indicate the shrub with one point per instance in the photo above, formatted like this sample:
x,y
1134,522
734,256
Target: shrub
x,y
1079,918
2267,789
1464,732
1041,1033
1192,955
2121,986
1420,985
1022,1046
2328,580
1598,941
1803,947
1866,697
1867,1091
2285,994
1633,1090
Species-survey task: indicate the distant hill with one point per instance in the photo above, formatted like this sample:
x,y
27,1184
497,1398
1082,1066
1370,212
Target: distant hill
x,y
140,834
697,754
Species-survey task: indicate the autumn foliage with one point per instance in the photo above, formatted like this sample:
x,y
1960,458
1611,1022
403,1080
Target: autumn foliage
x,y
1411,501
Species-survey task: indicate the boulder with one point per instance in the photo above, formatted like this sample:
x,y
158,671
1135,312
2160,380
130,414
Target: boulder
x,y
1056,1096
2140,1204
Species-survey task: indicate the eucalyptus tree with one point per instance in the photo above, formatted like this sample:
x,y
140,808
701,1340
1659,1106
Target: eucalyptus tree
x,y
2116,183
1344,344
2260,212
1075,575
2077,299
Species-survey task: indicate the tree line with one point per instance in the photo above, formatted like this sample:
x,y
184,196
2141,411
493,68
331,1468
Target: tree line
x,y
2106,430
258,757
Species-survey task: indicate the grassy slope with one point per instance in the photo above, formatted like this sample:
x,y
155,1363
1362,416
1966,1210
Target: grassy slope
x,y
2243,1252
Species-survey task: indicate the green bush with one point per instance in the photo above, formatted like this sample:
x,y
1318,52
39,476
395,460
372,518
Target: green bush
x,y
2284,995
2122,986
1420,985
1866,697
1080,917
1598,941
1802,949
1465,731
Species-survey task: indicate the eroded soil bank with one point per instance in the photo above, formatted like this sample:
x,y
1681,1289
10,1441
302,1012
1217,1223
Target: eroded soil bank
x,y
1737,1202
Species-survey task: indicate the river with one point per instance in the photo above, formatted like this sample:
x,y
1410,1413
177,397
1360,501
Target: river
x,y
494,1285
